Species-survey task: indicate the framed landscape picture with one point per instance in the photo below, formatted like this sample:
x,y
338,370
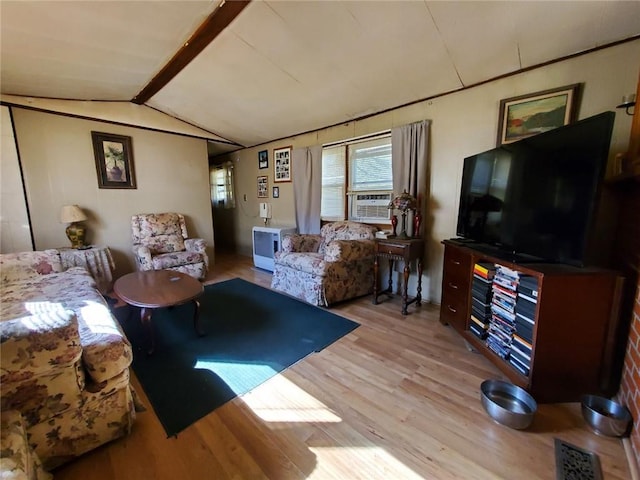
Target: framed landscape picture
x,y
282,164
527,115
114,160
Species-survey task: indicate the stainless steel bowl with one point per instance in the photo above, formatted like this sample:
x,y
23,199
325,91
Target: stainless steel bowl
x,y
606,417
508,404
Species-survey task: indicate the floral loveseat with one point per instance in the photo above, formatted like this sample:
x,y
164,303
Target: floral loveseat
x,y
65,360
327,268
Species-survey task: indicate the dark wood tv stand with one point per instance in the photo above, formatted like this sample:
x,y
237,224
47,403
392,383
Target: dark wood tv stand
x,y
573,335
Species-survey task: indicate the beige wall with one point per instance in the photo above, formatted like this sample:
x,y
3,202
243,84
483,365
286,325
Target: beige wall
x,y
15,233
59,168
464,123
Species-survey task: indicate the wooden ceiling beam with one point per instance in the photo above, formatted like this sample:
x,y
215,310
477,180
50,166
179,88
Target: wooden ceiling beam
x,y
215,23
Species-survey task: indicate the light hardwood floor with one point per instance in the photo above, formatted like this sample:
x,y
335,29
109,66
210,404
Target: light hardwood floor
x,y
397,398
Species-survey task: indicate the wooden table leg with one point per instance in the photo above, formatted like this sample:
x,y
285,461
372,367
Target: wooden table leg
x,y
131,311
390,286
375,280
405,289
196,319
419,293
145,318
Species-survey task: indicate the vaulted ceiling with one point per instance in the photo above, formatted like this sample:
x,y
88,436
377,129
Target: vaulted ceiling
x,y
274,69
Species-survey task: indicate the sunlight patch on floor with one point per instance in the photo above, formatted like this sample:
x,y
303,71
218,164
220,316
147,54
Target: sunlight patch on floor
x,y
365,462
280,400
239,377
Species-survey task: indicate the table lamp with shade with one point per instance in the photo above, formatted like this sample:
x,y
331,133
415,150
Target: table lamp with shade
x,y
72,214
403,202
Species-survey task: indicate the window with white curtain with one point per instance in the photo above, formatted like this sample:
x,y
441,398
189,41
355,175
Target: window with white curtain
x,y
221,180
368,163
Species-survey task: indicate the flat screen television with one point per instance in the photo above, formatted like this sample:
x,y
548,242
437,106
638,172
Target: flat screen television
x,y
535,199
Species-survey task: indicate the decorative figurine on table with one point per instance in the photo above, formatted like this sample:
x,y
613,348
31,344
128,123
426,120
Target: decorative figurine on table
x,y
403,202
394,224
417,220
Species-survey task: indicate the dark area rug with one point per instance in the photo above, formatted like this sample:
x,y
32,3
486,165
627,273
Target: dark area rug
x,y
252,333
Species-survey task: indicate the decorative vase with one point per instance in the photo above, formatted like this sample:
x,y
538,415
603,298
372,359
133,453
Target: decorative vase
x,y
115,174
417,220
394,223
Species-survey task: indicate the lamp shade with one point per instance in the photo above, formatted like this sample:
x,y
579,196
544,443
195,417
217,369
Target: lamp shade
x,y
403,202
72,213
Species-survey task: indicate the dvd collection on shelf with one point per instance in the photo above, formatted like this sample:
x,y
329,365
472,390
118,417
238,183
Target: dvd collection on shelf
x,y
522,344
483,274
503,312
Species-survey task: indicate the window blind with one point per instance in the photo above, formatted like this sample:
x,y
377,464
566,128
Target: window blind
x,y
333,183
370,165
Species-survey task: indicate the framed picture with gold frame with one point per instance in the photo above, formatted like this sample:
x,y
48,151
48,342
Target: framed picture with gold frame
x,y
528,115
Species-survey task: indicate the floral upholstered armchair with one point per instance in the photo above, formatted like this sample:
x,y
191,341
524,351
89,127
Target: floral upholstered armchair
x,y
160,243
327,268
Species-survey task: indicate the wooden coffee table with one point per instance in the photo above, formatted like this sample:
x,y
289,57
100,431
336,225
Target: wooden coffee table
x,y
158,289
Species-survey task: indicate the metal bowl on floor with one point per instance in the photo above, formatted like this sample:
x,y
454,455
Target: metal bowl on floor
x,y
508,404
606,417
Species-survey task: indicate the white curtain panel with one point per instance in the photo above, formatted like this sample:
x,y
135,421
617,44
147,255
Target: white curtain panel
x,y
409,154
307,187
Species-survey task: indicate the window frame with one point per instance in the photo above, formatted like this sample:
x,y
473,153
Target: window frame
x,y
347,187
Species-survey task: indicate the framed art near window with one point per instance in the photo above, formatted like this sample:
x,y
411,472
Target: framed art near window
x,y
263,187
114,160
263,159
527,115
282,164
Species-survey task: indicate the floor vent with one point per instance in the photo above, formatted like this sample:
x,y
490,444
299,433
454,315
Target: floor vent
x,y
574,463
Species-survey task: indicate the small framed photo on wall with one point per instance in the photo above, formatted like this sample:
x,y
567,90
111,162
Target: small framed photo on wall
x,y
282,164
276,192
263,159
263,187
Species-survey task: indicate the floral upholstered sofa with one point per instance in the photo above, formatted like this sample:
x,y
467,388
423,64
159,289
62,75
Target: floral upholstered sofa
x,y
65,360
327,268
18,460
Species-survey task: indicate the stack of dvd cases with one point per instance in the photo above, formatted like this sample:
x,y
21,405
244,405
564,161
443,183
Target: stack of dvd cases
x,y
503,314
483,274
522,345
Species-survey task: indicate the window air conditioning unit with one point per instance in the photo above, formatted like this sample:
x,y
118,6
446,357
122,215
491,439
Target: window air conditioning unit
x,y
370,206
266,242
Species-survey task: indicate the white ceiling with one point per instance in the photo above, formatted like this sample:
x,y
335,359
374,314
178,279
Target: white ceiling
x,y
286,67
